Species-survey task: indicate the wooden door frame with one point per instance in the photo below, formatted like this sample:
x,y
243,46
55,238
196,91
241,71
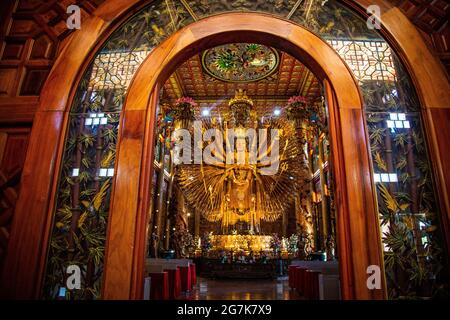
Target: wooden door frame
x,y
357,217
24,267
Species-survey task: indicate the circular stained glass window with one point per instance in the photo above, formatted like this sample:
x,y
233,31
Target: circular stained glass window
x,y
240,62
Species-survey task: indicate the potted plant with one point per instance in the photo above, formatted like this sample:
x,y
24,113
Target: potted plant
x,y
185,243
293,245
275,244
297,108
183,112
206,243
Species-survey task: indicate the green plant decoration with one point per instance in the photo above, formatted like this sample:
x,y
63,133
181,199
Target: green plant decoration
x,y
226,61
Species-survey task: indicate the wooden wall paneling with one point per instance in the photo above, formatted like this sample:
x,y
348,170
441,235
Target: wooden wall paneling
x,y
18,110
30,38
13,147
7,80
12,155
41,26
39,168
27,247
433,18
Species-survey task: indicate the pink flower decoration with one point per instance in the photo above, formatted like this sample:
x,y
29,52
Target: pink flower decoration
x,y
297,99
187,100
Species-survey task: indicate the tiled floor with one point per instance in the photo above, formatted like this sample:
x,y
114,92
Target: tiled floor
x,y
208,289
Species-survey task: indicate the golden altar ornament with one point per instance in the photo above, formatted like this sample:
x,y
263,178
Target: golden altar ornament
x,y
236,242
241,192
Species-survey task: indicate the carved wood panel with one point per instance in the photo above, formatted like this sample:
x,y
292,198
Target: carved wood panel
x,y
13,147
31,33
31,36
432,17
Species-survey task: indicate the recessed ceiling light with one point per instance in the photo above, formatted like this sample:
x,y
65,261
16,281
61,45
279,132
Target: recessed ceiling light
x,y
205,112
277,112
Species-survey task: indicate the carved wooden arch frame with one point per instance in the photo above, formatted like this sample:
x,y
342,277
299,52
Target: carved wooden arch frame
x,y
359,233
23,269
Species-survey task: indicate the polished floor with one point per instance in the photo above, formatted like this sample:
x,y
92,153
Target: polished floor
x,y
208,289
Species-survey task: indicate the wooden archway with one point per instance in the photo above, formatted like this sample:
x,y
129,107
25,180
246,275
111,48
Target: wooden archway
x,y
23,270
358,227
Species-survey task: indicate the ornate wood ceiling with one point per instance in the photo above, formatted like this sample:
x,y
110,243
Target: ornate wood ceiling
x,y
291,78
432,18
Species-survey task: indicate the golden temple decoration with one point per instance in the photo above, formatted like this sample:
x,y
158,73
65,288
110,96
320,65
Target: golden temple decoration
x,y
240,97
237,242
241,108
240,192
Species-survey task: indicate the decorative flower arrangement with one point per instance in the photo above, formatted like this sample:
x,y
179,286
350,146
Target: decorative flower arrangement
x,y
305,244
293,245
297,100
183,111
240,253
206,242
185,100
263,257
198,242
185,242
223,257
275,243
297,108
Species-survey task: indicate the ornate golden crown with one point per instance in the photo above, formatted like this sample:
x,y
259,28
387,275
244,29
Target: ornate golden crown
x,y
240,97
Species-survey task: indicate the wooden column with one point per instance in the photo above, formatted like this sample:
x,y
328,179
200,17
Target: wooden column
x,y
323,203
357,216
159,208
437,120
311,206
169,223
126,239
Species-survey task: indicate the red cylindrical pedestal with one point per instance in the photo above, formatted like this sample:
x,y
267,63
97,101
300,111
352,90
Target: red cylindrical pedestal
x,y
186,283
301,280
193,274
159,285
292,273
312,285
174,282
